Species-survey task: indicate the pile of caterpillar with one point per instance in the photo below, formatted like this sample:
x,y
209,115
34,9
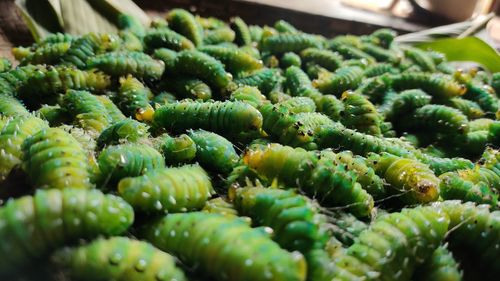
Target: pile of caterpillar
x,y
199,149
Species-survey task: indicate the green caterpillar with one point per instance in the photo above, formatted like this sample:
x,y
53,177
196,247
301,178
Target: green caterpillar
x,y
439,86
346,228
122,63
204,67
228,118
393,246
298,84
49,81
47,54
12,80
456,186
439,267
234,60
290,59
209,23
191,88
248,94
214,151
325,58
113,111
350,52
166,38
54,114
220,206
413,179
118,258
219,35
127,160
330,106
163,98
440,118
480,124
11,107
380,69
133,99
86,110
299,104
168,57
470,108
5,65
290,42
34,226
283,26
420,58
131,24
440,165
185,23
345,78
375,89
52,158
127,130
294,218
495,82
484,96
384,36
225,248
12,135
88,46
176,150
360,114
243,36
475,234
181,189
339,137
380,54
330,184
265,79
408,101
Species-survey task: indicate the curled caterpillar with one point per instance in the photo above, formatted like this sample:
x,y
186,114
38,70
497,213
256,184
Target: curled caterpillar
x,y
298,84
12,136
331,106
237,117
185,23
203,66
283,26
412,235
127,130
181,189
384,36
241,30
168,57
420,58
360,114
345,78
484,96
127,160
214,152
176,150
408,101
234,60
86,110
52,158
166,38
440,118
294,218
133,99
122,63
290,59
247,260
438,86
414,179
117,258
325,58
455,186
34,226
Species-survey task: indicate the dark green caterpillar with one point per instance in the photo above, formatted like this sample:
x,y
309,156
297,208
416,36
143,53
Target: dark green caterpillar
x,y
288,42
345,227
393,246
52,158
345,78
380,69
265,79
420,58
118,258
234,60
86,110
191,88
163,98
441,165
176,150
137,64
331,106
185,23
438,86
127,130
441,266
203,66
86,47
456,185
294,218
413,179
470,108
127,160
290,59
133,99
12,136
380,54
325,58
168,57
225,248
407,102
214,152
219,35
54,114
243,36
5,65
34,226
495,82
248,94
113,111
131,24
166,38
439,118
360,114
227,117
181,189
11,107
298,84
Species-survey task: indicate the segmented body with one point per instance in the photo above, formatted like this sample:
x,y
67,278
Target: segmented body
x,y
234,60
437,85
203,66
176,150
298,84
325,58
86,110
287,42
166,38
345,78
11,107
219,35
250,95
360,114
13,134
185,23
265,79
113,111
181,189
52,158
34,226
440,266
470,108
440,118
290,58
191,88
235,251
5,65
47,54
220,206
87,46
454,186
133,99
127,130
242,32
122,63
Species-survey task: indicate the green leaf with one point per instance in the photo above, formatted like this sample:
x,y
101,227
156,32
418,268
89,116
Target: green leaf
x,y
40,16
466,49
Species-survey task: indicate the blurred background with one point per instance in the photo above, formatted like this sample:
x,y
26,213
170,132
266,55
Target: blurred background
x,y
22,21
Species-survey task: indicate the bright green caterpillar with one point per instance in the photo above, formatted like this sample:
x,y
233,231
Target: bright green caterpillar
x,y
87,110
